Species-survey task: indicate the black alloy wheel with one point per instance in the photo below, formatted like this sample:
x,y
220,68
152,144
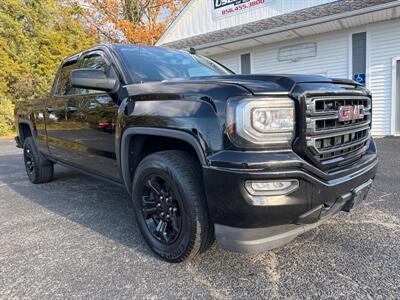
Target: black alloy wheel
x,y
29,162
161,209
170,205
38,168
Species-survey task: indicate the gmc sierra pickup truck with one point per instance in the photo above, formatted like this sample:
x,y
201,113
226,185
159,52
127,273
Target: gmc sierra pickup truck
x,y
249,160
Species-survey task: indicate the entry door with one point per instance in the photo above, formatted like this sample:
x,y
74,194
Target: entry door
x,y
397,89
92,118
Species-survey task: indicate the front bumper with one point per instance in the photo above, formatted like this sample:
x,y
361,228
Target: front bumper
x,y
249,240
240,226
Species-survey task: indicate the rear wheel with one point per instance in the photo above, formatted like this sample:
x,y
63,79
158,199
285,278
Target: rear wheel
x,y
38,169
170,205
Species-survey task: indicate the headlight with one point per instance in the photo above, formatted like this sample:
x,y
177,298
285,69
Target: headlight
x,y
261,122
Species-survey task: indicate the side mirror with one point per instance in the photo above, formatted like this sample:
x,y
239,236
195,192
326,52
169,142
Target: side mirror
x,y
92,79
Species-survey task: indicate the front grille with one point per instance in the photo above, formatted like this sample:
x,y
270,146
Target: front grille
x,y
330,141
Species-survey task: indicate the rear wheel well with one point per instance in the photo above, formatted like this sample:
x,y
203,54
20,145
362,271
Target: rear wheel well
x,y
141,146
24,131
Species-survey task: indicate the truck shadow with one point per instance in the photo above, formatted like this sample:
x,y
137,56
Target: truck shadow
x,y
99,206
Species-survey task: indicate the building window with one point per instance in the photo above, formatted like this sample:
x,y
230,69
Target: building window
x,y
359,42
245,63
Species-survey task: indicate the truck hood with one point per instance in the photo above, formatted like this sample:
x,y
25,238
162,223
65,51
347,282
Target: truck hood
x,y
261,84
255,84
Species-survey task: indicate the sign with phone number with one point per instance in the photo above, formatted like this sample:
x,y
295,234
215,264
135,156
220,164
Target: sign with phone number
x,y
227,8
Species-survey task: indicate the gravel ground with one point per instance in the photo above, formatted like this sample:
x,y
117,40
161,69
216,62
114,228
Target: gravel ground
x,y
76,238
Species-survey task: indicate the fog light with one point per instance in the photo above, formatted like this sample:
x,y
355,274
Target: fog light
x,y
271,187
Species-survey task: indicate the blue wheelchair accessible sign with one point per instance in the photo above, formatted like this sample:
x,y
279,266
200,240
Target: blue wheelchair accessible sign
x,y
360,78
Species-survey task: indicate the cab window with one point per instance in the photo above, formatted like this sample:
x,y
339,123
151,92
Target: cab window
x,y
64,86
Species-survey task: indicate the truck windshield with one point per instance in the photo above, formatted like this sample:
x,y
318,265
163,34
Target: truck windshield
x,y
147,64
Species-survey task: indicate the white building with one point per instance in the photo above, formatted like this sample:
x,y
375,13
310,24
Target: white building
x,y
358,39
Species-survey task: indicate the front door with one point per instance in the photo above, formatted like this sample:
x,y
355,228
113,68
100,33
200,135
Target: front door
x,y
92,117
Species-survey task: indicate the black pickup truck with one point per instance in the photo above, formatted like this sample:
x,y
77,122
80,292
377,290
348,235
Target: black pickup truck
x,y
249,160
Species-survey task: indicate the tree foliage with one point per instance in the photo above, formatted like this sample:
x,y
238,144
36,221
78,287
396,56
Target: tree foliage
x,y
35,35
6,116
133,21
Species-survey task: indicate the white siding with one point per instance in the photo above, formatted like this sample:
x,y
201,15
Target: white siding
x,y
331,59
197,18
384,44
230,60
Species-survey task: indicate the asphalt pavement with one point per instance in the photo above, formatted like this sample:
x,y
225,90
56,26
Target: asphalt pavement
x,y
76,237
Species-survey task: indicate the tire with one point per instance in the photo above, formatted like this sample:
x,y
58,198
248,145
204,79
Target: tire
x,y
38,169
171,181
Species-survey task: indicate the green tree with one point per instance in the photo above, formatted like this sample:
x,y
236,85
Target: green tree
x,y
35,35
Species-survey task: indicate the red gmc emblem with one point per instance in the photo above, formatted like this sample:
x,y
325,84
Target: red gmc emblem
x,y
348,112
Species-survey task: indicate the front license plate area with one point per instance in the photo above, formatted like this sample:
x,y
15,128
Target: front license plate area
x,y
358,195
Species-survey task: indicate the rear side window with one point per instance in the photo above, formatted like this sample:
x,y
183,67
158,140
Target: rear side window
x,y
64,84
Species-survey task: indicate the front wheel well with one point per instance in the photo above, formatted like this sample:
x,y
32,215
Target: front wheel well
x,y
141,146
139,142
24,131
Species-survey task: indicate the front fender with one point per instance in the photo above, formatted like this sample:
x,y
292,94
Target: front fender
x,y
129,133
193,121
195,116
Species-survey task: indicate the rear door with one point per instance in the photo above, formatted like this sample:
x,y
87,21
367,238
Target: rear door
x,y
59,133
92,117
